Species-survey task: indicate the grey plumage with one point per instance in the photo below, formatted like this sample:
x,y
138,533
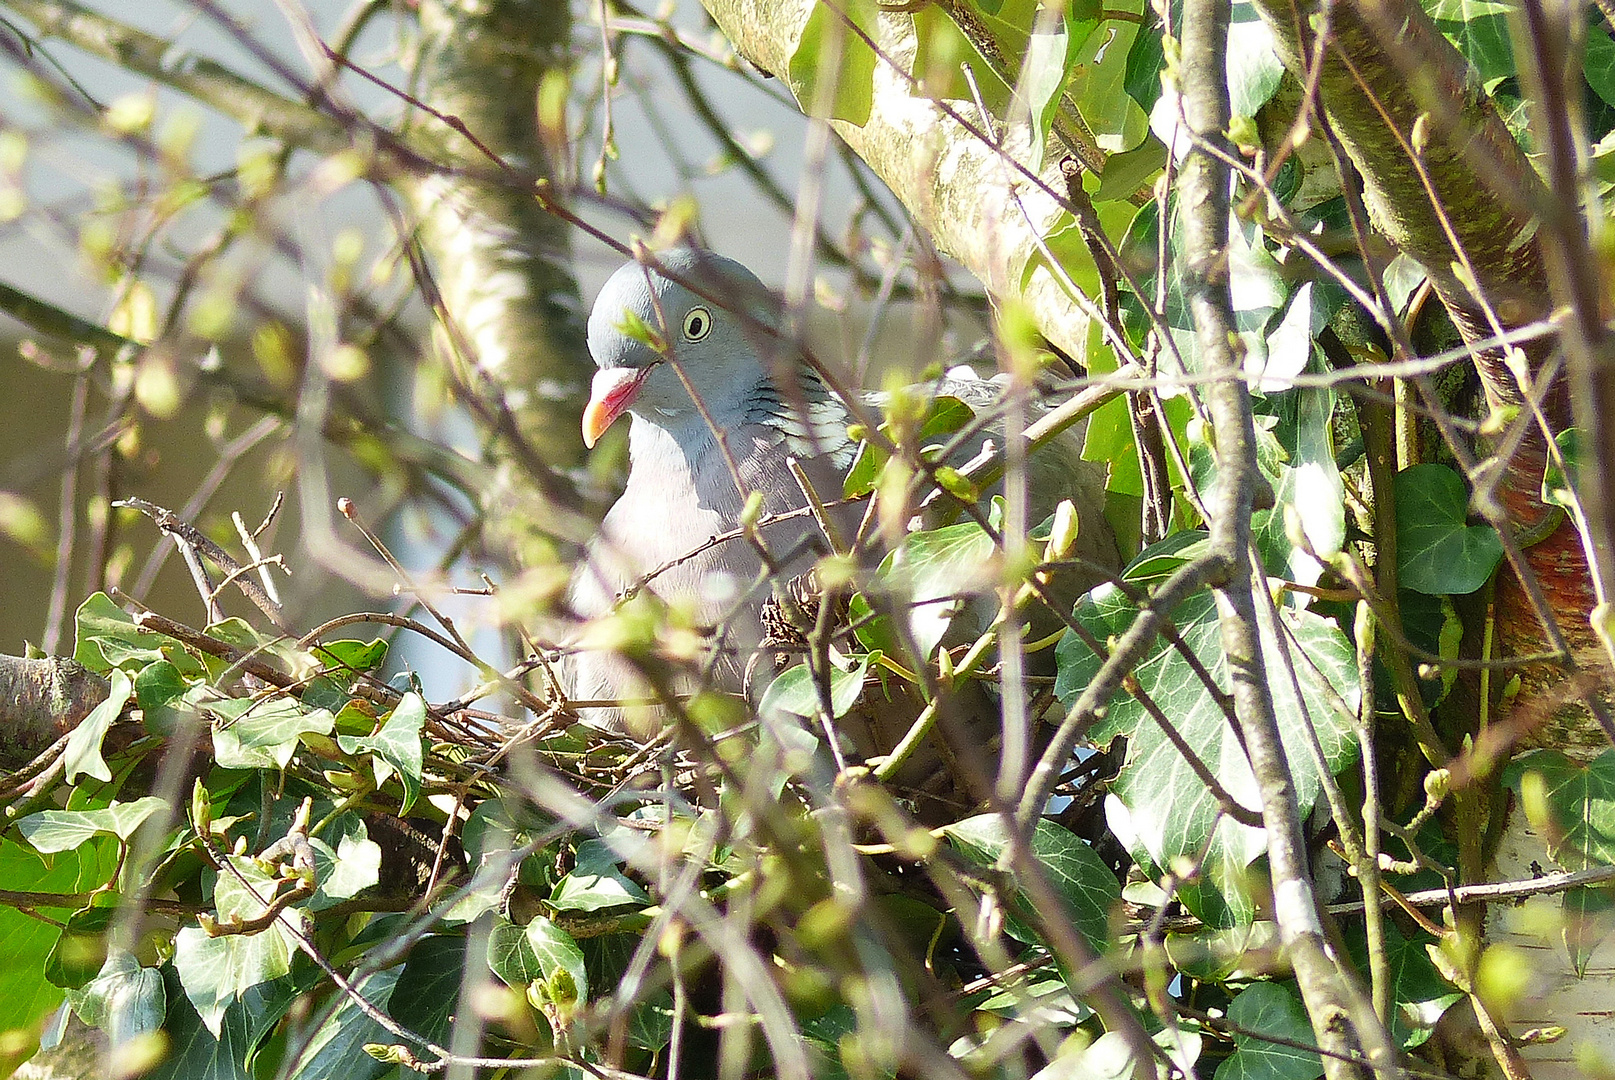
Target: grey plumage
x,y
682,487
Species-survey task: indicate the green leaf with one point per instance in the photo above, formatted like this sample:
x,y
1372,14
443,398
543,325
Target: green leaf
x,y
397,745
51,831
1589,921
511,955
1042,79
108,637
583,890
1479,28
833,52
352,868
1086,886
1146,58
1557,488
351,657
488,837
1572,806
1436,551
263,733
1308,488
1598,62
337,1048
160,690
555,951
83,752
196,1053
81,950
1130,171
794,691
944,416
934,569
1254,67
124,999
428,992
1272,1009
1158,807
26,941
217,971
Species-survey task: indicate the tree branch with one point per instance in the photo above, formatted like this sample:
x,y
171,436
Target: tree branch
x,y
1336,1002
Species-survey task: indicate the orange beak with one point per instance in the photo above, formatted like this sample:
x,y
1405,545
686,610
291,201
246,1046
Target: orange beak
x,y
613,390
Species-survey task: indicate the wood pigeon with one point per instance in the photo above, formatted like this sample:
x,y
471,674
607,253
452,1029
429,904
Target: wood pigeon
x,y
719,406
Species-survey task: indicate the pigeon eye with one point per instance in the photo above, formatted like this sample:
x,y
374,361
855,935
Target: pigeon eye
x,y
697,324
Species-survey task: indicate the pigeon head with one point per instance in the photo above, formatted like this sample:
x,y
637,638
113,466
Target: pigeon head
x,y
715,349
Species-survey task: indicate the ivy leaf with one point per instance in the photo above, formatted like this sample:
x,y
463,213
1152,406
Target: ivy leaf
x,y
353,867
1083,881
263,734
794,691
584,890
83,752
1254,68
336,1049
832,50
1571,805
1598,62
428,991
1271,1009
50,831
1129,171
1436,551
944,416
555,951
26,941
217,971
108,637
1157,806
351,657
1557,488
124,999
511,955
81,951
397,746
489,837
196,1053
1420,995
160,690
934,568
1043,77
1479,28
1589,919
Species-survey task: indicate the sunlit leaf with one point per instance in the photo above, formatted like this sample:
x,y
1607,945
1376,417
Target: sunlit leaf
x,y
1158,806
108,637
396,746
217,971
834,52
62,830
263,733
795,691
83,753
932,571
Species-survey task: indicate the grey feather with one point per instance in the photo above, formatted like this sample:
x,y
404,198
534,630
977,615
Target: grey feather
x,y
769,407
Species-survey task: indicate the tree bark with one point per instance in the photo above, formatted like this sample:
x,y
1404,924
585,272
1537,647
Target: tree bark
x,y
977,208
1446,183
40,701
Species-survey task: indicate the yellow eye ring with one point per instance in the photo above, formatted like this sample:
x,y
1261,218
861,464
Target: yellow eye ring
x,y
697,324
